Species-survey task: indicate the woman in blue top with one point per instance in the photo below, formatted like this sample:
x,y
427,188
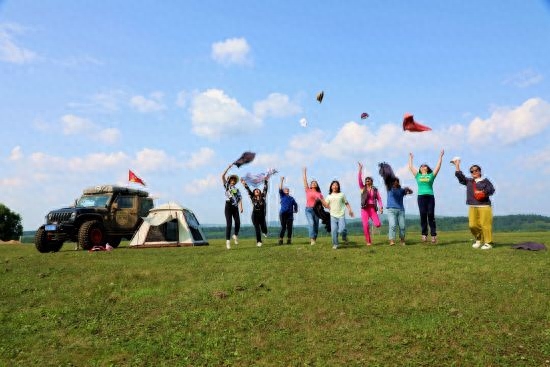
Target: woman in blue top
x,y
425,178
289,206
396,210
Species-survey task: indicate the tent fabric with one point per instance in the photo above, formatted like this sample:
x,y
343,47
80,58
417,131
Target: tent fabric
x,y
169,225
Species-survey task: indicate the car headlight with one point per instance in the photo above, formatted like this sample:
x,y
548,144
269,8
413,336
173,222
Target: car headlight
x,y
72,217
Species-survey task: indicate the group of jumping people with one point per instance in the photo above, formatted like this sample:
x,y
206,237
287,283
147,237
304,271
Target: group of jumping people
x,y
478,192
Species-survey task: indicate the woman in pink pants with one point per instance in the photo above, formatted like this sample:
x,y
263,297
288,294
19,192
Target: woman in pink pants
x,y
370,203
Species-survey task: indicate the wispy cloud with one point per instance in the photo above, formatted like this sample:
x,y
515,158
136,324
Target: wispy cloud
x,y
214,114
10,51
524,79
232,51
16,154
153,103
200,158
148,160
509,125
201,185
276,105
76,125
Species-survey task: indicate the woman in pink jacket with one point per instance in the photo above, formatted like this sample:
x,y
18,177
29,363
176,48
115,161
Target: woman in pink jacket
x,y
370,203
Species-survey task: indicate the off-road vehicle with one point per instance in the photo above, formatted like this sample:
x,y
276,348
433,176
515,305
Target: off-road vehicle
x,y
103,214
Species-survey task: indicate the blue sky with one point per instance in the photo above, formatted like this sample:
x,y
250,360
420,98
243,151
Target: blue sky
x,y
176,90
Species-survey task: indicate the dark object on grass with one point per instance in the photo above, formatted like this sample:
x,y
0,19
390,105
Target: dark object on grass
x,y
533,246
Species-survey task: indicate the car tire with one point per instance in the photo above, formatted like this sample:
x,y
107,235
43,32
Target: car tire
x,y
43,245
91,234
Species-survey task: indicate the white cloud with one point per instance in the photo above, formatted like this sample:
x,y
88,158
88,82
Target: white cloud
x,y
145,105
200,158
538,161
201,185
215,114
266,161
108,136
148,160
107,101
97,162
276,105
9,50
508,126
524,79
75,125
231,51
16,154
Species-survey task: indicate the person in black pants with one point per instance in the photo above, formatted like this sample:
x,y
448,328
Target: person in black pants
x,y
286,213
233,204
258,210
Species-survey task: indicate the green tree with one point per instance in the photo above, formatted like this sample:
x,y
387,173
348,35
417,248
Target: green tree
x,y
10,224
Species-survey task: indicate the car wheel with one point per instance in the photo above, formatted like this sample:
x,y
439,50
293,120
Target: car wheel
x,y
91,234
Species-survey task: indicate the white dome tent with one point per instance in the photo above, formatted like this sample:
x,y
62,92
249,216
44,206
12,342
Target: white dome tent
x,y
169,225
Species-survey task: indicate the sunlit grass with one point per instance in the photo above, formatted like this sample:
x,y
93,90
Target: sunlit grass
x,y
418,305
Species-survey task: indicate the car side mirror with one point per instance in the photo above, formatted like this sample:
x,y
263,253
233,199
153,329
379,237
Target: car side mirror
x,y
115,206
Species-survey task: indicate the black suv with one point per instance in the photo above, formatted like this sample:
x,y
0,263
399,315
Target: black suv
x,y
103,214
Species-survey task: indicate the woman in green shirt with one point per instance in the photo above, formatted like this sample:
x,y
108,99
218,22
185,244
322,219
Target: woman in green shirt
x,y
426,201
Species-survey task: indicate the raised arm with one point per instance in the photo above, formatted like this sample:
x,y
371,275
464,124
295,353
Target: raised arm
x,y
304,175
438,165
412,168
281,184
459,174
264,193
224,179
250,193
360,176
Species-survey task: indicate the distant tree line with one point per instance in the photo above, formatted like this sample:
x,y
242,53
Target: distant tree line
x,y
506,223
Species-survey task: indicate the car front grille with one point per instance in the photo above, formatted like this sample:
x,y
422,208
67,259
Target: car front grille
x,y
58,217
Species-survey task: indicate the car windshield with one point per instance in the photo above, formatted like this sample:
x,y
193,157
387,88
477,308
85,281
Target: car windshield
x,y
89,201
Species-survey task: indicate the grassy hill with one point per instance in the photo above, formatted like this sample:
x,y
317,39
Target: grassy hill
x,y
297,305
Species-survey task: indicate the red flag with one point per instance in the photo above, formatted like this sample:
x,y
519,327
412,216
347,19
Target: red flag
x,y
133,178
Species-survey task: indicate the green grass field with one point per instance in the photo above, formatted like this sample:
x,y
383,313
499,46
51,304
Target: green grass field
x,y
290,305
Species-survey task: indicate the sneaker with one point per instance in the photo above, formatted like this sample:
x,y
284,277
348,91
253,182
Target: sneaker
x,y
434,239
486,247
228,244
335,247
265,235
477,244
259,244
288,242
235,239
369,244
392,243
76,248
280,241
402,242
424,238
312,242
